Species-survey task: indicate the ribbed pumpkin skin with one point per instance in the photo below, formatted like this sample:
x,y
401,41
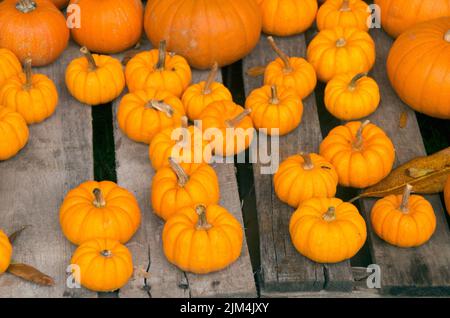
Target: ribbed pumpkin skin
x,y
202,251
100,273
329,58
447,195
168,196
327,241
43,32
204,32
14,134
359,168
60,3
293,183
82,221
287,17
398,16
332,15
418,67
5,252
109,26
403,229
9,65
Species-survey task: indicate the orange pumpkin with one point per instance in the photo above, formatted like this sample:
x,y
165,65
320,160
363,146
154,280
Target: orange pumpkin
x,y
14,134
398,16
205,32
95,79
327,230
198,96
349,96
158,69
447,195
418,67
5,252
9,65
304,176
343,13
33,28
34,96
202,239
142,114
294,72
341,50
361,153
183,185
287,17
277,110
403,220
99,210
228,126
61,4
109,26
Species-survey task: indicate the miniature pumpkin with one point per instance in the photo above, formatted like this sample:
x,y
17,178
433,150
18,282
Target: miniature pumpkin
x,y
447,195
34,96
327,230
99,210
33,28
294,72
403,220
105,265
361,153
61,4
343,13
109,26
184,144
418,67
95,79
279,110
228,126
158,69
349,96
341,50
182,185
205,32
144,113
287,17
5,252
9,65
14,134
304,176
398,16
198,96
202,239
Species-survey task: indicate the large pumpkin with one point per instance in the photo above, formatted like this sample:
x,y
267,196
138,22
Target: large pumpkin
x,y
109,26
205,32
398,16
33,28
5,252
418,67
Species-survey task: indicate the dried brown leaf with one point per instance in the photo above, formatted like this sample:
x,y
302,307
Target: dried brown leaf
x,y
403,120
16,234
31,274
256,71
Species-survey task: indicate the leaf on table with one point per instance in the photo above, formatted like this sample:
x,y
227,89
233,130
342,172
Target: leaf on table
x,y
16,234
256,71
30,274
403,120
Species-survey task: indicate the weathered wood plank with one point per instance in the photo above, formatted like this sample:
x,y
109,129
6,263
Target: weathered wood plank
x,y
414,271
283,269
57,158
164,280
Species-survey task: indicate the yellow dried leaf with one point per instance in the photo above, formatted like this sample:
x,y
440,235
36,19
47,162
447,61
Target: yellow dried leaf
x,y
403,120
256,71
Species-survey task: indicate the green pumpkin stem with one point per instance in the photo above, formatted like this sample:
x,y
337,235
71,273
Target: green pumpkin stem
x,y
28,74
26,6
274,95
161,64
91,61
283,56
99,201
106,253
211,79
330,215
233,122
161,106
341,42
355,80
447,36
308,163
202,223
404,206
182,176
357,144
345,6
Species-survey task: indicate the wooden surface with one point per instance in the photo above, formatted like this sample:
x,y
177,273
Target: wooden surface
x,y
283,269
33,184
135,173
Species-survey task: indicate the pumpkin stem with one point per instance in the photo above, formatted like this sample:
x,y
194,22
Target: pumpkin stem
x,y
447,36
355,79
341,42
308,163
211,78
202,223
405,198
357,144
161,64
274,95
345,6
330,215
283,56
90,58
28,74
99,201
26,6
161,106
233,122
106,253
182,176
